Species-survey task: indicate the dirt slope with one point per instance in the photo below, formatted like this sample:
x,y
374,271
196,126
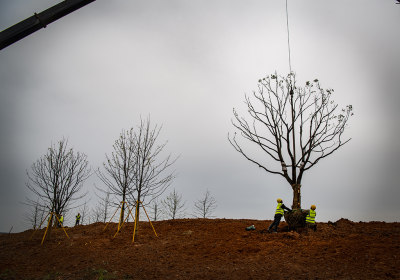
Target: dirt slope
x,y
206,249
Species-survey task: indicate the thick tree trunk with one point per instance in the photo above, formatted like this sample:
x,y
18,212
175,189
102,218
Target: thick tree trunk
x,y
137,214
122,215
50,227
296,196
297,217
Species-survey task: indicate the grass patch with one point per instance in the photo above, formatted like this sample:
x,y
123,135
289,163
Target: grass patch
x,y
99,274
7,275
52,276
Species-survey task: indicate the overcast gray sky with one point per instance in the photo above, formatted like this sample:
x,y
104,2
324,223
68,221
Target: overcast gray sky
x,y
186,64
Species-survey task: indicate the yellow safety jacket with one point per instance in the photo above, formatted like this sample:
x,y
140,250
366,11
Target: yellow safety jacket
x,y
78,217
311,217
279,209
61,219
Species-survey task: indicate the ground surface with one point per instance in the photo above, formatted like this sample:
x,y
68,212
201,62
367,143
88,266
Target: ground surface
x,y
205,249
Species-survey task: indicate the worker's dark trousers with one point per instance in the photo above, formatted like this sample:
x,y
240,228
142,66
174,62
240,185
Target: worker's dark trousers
x,y
77,222
312,226
275,223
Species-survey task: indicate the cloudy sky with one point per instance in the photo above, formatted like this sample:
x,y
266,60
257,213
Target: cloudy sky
x,y
186,64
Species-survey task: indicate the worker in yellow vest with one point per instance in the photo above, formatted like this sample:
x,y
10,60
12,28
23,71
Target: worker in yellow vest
x,y
78,218
61,220
278,215
310,219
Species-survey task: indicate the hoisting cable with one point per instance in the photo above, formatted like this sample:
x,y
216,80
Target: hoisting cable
x,y
288,41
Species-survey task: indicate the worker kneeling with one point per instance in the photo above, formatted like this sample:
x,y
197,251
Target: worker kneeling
x,y
278,215
310,219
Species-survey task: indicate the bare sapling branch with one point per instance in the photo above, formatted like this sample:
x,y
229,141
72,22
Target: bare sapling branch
x,y
205,206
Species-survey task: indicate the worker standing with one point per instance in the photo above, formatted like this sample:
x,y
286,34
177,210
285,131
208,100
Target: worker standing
x,y
61,220
278,215
310,219
78,218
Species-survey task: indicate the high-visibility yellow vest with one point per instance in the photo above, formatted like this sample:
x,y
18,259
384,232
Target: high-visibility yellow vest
x,y
78,217
279,209
61,219
311,217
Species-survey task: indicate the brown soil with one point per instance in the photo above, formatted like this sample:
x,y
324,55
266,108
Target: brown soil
x,y
206,249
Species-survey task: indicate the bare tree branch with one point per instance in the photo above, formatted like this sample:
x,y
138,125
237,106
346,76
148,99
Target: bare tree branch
x,y
36,214
155,210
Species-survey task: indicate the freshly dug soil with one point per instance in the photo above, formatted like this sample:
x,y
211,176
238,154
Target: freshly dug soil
x,y
205,249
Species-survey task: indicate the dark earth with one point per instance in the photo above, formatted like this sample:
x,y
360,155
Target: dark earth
x,y
205,249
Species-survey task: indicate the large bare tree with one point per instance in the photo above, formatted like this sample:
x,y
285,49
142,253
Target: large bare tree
x,y
152,174
294,127
57,177
119,169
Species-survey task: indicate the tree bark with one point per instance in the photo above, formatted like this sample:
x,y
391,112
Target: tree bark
x,y
137,213
50,224
122,215
296,196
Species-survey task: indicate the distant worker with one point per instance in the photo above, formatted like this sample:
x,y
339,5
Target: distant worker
x,y
310,219
278,215
78,218
61,220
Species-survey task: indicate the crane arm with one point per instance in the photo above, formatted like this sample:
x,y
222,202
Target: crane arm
x,y
38,21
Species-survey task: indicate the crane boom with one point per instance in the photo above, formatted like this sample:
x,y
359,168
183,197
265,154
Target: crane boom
x,y
38,21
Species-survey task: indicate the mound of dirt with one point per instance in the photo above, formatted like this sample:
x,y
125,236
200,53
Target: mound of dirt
x,y
205,249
